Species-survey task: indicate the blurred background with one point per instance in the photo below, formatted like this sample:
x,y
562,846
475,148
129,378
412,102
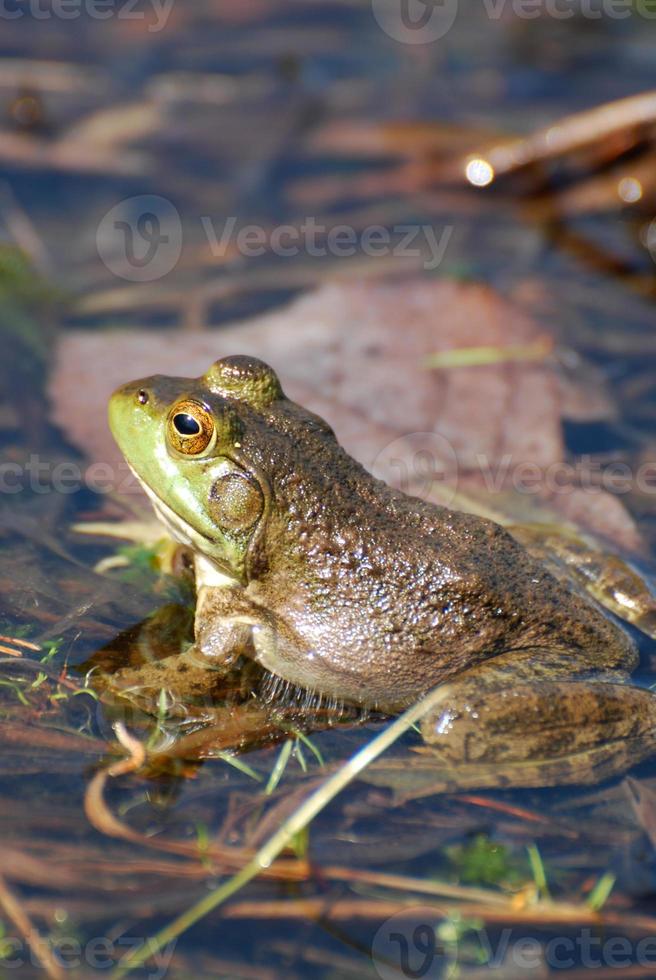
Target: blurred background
x,y
270,113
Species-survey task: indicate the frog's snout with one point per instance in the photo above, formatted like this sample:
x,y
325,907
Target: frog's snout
x,y
130,406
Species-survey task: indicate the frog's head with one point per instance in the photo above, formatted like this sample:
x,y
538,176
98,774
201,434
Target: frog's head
x,y
200,449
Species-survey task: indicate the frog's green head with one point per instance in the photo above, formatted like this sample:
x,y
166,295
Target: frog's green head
x,y
185,441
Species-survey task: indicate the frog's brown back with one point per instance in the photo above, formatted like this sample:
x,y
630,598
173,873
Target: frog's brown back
x,y
397,592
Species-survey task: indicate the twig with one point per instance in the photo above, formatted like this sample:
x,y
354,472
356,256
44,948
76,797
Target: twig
x,y
570,133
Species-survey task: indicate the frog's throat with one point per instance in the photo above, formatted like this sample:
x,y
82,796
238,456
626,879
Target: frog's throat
x,y
183,533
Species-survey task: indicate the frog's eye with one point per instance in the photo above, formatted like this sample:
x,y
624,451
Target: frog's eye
x,y
185,425
190,428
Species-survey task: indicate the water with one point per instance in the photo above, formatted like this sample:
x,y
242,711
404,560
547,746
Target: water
x,y
218,111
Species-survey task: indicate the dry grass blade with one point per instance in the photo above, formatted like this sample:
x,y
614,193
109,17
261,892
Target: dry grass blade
x,y
223,857
540,914
474,356
405,883
17,642
15,912
94,805
10,651
300,819
23,230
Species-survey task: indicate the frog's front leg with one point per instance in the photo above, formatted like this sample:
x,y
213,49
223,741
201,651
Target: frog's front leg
x,y
223,627
539,730
230,623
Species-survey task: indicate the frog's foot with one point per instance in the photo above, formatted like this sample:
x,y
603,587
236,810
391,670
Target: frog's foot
x,y
226,727
182,681
540,733
610,580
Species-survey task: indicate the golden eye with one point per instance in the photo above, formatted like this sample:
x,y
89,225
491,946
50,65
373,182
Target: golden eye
x,y
190,428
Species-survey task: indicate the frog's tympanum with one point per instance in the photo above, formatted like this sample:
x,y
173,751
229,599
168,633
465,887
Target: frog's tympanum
x,y
342,586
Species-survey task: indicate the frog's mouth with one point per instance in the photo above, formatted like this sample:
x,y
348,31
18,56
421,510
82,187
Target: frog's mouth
x,y
180,531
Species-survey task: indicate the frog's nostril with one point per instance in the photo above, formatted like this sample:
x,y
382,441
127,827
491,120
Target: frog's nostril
x,y
142,396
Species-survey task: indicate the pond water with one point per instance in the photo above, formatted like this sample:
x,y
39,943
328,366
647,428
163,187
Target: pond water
x,y
185,125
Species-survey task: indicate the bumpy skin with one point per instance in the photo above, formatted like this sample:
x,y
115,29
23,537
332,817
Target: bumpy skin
x,y
340,585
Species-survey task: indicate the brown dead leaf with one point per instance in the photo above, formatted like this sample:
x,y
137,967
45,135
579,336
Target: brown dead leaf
x,y
353,353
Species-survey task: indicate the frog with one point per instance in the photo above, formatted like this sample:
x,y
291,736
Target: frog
x,y
342,587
